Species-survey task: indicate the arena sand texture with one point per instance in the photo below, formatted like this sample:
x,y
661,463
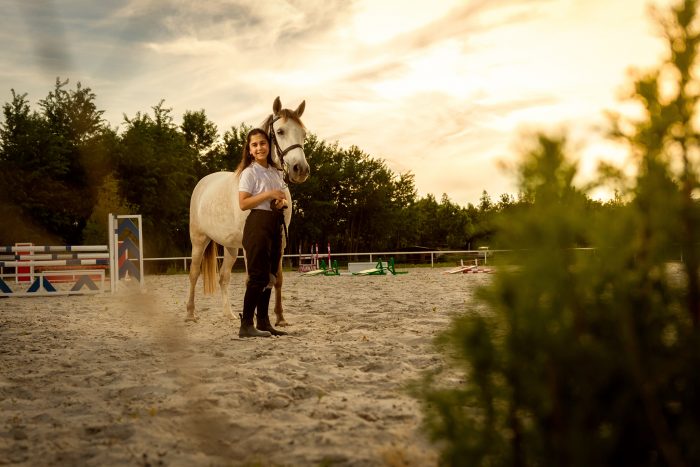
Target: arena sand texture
x,y
123,380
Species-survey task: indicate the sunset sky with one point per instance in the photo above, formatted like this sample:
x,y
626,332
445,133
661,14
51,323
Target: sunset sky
x,y
441,88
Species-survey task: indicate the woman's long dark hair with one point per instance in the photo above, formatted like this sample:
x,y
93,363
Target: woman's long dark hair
x,y
246,157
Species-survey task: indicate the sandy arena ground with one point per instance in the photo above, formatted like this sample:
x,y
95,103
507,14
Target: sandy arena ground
x,y
123,380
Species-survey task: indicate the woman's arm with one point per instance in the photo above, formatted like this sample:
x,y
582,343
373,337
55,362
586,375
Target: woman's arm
x,y
247,201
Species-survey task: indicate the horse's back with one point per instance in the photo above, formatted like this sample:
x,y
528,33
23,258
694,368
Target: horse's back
x,y
215,211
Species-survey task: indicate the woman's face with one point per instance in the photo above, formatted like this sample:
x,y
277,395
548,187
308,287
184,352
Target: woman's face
x,y
259,149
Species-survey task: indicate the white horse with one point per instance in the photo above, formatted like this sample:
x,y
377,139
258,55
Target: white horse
x,y
216,217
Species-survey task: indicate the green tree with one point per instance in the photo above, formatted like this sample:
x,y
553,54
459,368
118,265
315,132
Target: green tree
x,y
23,166
316,217
156,169
402,218
455,223
109,201
426,213
351,200
483,221
232,150
53,162
201,135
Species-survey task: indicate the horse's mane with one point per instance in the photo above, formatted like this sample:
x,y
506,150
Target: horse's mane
x,y
286,113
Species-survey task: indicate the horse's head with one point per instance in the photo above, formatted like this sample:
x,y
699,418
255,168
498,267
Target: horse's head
x,y
287,135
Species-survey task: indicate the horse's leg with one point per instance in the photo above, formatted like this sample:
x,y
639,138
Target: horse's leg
x,y
199,244
230,255
278,298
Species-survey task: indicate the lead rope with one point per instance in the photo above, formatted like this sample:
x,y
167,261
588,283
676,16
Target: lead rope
x,y
285,176
286,236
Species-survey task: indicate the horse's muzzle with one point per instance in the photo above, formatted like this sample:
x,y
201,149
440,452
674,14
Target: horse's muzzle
x,y
299,172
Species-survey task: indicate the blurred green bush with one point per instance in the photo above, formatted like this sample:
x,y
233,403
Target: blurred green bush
x,y
590,358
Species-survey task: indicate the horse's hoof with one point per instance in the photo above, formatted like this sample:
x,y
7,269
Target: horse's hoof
x,y
281,322
191,318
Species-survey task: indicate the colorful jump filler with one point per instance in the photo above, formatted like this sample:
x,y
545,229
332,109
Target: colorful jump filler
x,y
37,270
126,245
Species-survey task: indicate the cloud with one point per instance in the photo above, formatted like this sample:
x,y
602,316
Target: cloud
x,y
247,25
374,71
46,35
467,19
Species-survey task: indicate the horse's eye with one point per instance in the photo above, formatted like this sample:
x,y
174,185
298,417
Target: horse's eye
x,y
280,132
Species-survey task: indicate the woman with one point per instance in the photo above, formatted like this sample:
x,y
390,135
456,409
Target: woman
x,y
260,189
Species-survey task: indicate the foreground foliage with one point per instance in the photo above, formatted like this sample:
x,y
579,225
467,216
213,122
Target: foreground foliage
x,y
590,357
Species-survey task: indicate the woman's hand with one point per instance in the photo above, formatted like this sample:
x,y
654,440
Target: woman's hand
x,y
247,201
277,195
280,204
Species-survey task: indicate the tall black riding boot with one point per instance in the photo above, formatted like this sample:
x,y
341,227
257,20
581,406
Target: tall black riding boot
x,y
250,300
263,316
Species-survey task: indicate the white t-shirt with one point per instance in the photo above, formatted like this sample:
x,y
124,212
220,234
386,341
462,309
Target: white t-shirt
x,y
255,179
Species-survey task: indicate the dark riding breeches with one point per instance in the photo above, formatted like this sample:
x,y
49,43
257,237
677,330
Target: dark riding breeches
x,y
262,241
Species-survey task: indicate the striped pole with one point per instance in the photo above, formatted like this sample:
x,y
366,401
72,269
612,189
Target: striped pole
x,y
52,249
112,249
58,262
50,256
21,271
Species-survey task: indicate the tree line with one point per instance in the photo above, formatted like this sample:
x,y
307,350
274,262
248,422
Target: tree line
x,y
63,169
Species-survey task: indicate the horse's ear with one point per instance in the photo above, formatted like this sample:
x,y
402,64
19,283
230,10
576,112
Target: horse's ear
x,y
300,109
277,105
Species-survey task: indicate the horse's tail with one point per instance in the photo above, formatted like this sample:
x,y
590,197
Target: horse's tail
x,y
210,268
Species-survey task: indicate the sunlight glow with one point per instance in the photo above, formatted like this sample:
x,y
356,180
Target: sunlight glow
x,y
190,46
376,22
440,69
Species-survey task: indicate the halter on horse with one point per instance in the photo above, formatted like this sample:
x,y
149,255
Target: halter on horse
x,y
280,153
